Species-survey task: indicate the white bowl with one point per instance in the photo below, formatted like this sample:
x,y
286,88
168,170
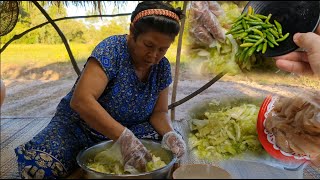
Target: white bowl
x,y
200,171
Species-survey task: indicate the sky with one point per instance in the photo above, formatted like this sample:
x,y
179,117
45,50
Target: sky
x,y
81,11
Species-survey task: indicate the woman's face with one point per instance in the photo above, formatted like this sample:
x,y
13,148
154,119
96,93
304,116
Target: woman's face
x,y
149,48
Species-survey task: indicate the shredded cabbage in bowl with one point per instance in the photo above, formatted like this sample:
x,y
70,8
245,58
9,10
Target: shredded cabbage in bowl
x,y
108,166
225,133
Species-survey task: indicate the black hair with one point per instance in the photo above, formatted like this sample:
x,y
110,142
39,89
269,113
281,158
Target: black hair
x,y
162,24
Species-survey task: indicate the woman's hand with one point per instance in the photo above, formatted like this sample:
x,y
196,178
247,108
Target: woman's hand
x,y
135,155
304,63
173,141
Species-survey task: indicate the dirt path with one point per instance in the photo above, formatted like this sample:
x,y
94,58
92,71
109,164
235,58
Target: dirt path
x,y
39,98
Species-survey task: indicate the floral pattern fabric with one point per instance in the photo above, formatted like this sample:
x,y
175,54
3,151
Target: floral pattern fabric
x,y
52,152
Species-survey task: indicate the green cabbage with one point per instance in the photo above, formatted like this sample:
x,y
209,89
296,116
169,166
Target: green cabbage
x,y
110,166
155,164
225,133
220,57
107,167
232,12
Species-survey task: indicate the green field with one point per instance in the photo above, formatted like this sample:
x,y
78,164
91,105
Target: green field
x,y
33,61
44,54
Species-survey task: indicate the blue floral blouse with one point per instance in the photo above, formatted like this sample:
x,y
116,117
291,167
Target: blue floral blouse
x,y
128,100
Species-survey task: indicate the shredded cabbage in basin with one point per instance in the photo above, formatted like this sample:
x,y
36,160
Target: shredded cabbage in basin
x,y
109,166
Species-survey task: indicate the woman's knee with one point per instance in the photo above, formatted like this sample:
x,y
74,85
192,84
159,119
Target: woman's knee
x,y
51,153
38,164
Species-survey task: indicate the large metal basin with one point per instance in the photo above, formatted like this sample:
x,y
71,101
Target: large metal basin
x,y
163,173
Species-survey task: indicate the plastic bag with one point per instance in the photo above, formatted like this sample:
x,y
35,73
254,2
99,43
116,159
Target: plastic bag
x,y
215,8
202,35
211,22
206,25
198,31
196,10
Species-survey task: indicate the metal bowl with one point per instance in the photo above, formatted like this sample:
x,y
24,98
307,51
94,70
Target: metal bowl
x,y
88,154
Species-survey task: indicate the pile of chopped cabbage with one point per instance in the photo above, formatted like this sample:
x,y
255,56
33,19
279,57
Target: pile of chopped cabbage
x,y
109,166
232,12
226,133
220,57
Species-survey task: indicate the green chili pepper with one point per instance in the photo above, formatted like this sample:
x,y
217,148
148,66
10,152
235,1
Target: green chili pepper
x,y
255,23
267,25
249,11
240,36
242,55
244,24
246,45
275,29
246,38
259,48
237,32
271,39
254,36
246,56
274,33
250,40
279,27
283,38
270,44
255,18
249,54
253,27
249,20
258,32
268,18
269,34
264,34
240,17
264,48
258,42
235,24
261,16
239,27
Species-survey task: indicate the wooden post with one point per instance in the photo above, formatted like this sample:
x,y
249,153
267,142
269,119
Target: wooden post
x,y
176,75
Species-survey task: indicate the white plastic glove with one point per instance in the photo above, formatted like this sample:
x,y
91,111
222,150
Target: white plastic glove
x,y
173,141
134,154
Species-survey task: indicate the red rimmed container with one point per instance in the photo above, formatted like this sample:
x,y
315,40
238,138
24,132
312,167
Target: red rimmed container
x,y
267,139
